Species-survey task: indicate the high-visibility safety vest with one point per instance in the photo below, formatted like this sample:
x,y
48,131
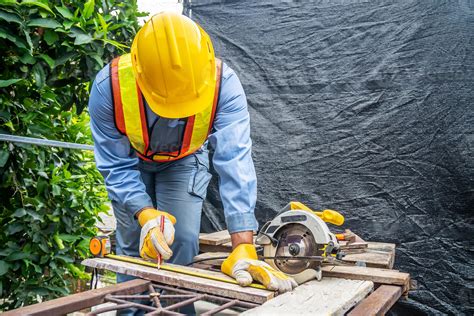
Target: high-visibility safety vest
x,y
130,115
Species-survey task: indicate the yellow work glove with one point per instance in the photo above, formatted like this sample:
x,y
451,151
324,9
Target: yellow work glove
x,y
243,265
157,234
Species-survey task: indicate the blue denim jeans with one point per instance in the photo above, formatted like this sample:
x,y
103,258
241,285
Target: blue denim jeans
x,y
179,188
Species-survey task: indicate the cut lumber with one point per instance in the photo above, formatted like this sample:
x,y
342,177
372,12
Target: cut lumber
x,y
379,302
373,259
374,254
383,276
377,275
75,302
330,296
182,280
213,239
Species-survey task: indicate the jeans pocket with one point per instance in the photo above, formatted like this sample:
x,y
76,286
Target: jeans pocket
x,y
199,181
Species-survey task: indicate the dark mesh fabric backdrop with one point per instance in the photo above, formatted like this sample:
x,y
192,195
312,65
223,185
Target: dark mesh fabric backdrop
x,y
365,107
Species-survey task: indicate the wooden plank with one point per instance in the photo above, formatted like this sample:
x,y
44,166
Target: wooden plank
x,y
76,302
383,276
373,259
330,296
379,302
227,247
182,280
217,238
374,254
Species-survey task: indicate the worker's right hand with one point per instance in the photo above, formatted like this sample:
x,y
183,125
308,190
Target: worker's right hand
x,y
157,233
243,265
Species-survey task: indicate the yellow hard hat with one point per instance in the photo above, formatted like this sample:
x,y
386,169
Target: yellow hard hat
x,y
174,65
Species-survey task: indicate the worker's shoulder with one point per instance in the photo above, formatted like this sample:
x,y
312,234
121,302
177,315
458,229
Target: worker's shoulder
x,y
227,71
103,75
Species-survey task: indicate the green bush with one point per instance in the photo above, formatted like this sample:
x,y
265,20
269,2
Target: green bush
x,y
50,197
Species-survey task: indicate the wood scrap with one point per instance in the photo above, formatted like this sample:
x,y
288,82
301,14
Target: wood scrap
x,y
217,238
383,276
329,296
176,279
377,275
379,302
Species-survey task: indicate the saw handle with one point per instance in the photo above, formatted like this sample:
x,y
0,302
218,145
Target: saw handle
x,y
329,216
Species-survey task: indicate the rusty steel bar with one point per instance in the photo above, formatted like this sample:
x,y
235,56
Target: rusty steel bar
x,y
110,308
117,300
144,297
243,304
186,302
154,296
220,308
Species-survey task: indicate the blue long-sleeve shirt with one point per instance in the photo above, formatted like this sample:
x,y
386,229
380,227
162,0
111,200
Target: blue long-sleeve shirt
x,y
230,139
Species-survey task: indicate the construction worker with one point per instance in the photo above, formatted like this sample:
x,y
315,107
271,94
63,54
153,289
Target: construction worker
x,y
153,113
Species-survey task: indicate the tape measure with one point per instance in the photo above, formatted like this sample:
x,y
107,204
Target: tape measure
x,y
100,246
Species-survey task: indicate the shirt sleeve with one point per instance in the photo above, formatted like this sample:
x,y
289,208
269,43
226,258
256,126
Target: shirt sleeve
x,y
232,158
113,155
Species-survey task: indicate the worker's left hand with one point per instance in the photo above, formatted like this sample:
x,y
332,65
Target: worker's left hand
x,y
243,265
157,233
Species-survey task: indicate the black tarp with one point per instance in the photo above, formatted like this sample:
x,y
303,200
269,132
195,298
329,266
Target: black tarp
x,y
365,107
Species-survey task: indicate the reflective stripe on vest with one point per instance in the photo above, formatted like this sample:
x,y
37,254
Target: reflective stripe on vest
x,y
130,114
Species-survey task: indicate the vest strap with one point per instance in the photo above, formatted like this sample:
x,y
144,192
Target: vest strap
x,y
130,100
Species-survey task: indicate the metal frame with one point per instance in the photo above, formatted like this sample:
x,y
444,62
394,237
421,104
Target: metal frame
x,y
173,302
130,295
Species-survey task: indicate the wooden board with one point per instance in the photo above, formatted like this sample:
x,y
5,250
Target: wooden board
x,y
377,275
383,276
379,302
373,259
75,302
217,238
186,281
373,254
329,296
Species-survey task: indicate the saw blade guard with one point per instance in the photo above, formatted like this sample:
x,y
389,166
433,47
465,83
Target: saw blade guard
x,y
312,233
319,229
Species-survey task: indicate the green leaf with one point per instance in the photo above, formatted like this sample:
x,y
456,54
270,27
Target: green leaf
x,y
58,242
39,75
82,39
50,37
46,23
4,154
65,13
69,238
88,9
102,22
4,267
56,190
28,59
43,174
10,17
9,82
40,4
97,59
12,38
17,256
48,60
19,212
14,228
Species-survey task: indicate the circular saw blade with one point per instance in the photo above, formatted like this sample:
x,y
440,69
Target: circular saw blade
x,y
296,240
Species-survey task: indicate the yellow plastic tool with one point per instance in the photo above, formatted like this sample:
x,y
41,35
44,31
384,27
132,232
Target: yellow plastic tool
x,y
178,270
329,216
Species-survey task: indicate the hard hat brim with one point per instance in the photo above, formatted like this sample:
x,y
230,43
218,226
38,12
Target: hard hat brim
x,y
182,109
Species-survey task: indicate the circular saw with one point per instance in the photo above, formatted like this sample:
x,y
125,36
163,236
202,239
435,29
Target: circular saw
x,y
297,241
